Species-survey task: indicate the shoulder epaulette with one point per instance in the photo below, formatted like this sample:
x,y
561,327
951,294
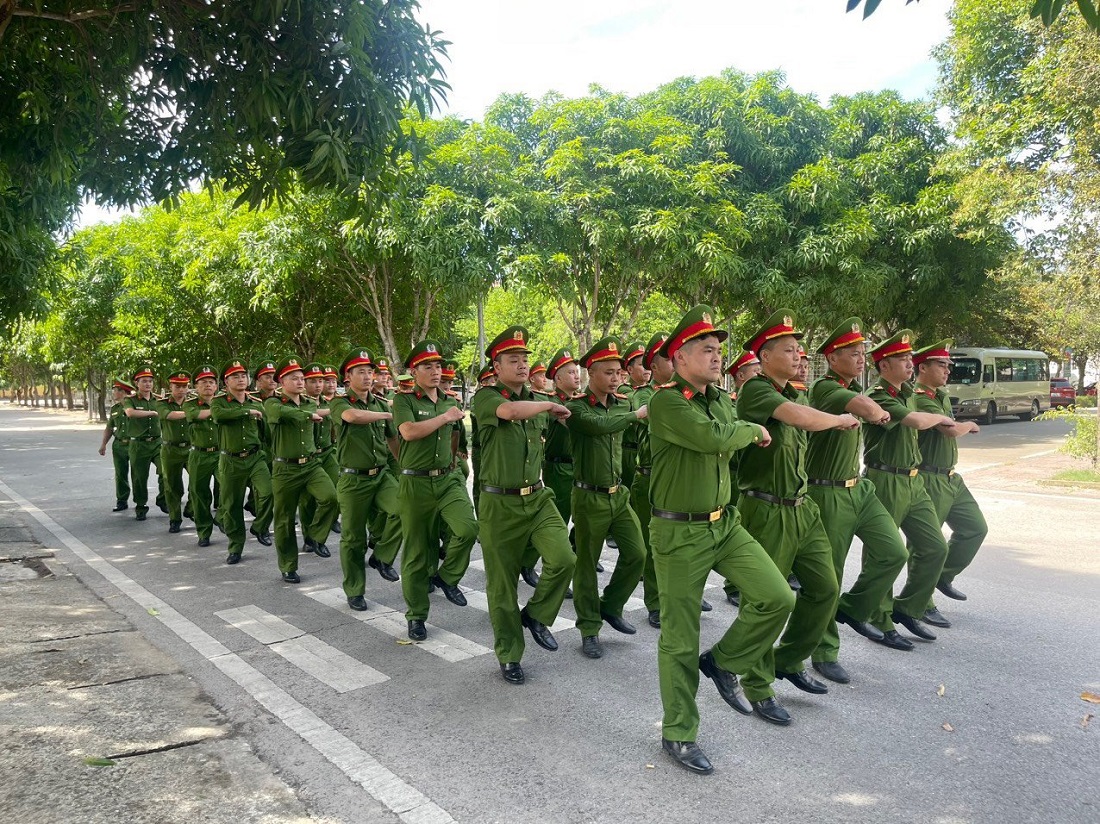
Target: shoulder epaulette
x,y
620,396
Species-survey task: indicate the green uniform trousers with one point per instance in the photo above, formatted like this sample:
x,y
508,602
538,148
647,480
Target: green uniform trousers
x,y
956,507
683,555
361,498
308,507
795,539
639,502
630,462
559,478
475,465
907,501
289,482
235,476
847,513
598,515
507,524
424,502
120,456
201,469
173,461
143,455
728,586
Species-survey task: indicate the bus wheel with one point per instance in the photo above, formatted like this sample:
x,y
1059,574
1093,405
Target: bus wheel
x,y
990,414
1033,413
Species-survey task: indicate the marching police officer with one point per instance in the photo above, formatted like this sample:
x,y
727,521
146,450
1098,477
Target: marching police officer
x,y
115,432
202,461
746,366
175,446
143,429
637,378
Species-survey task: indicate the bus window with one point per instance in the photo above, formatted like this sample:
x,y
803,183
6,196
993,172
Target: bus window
x,y
965,371
1004,370
987,373
1025,369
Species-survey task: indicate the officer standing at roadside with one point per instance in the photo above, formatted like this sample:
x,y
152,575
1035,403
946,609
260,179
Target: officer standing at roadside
x,y
939,453
115,432
202,461
175,446
143,429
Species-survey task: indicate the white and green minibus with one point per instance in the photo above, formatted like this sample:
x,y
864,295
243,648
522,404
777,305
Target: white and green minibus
x,y
989,383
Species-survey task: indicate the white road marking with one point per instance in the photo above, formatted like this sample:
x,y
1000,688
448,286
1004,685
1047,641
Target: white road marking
x,y
408,803
479,600
260,624
963,468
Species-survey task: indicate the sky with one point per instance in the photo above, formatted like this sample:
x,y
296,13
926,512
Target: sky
x,y
634,46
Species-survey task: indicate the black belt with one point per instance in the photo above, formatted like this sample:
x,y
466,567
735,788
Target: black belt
x,y
935,470
559,460
181,445
203,448
295,461
147,438
523,490
370,473
644,470
688,516
848,484
606,490
629,445
775,499
894,470
320,453
252,450
425,473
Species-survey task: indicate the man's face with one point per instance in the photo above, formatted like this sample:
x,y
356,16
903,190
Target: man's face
x,y
512,368
539,382
897,369
266,382
745,374
360,378
803,369
662,370
330,387
848,362
604,377
206,387
699,361
568,379
934,372
313,386
427,375
293,383
120,394
639,375
145,385
780,358
237,382
179,391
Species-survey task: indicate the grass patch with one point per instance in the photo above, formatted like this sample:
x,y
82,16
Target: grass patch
x,y
1081,477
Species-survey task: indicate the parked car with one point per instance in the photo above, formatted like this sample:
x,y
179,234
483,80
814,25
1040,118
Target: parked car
x,y
1062,392
1090,390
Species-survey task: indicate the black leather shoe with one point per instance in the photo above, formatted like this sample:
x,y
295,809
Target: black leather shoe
x,y
336,527
833,671
804,681
914,626
174,526
453,593
530,577
543,637
613,544
688,755
734,599
569,593
205,541
950,591
618,623
233,558
655,618
894,640
512,672
263,538
599,566
726,682
772,711
120,505
358,603
292,577
862,627
385,570
590,646
140,513
322,551
705,606
417,630
794,583
936,618
162,504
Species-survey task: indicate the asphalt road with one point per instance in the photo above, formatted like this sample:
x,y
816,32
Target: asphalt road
x,y
984,725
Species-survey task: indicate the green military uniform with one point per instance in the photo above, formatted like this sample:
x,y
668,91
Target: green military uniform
x,y
848,504
175,448
891,454
475,442
120,448
296,471
431,491
324,436
557,470
366,486
639,490
630,436
515,510
694,531
202,461
144,448
240,465
952,501
601,504
746,359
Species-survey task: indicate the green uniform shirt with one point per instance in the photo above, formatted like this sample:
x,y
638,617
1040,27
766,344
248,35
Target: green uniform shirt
x,y
691,437
781,468
361,446
434,451
598,438
936,449
559,441
323,434
511,451
893,444
173,432
291,426
142,427
117,422
639,399
204,433
633,432
238,429
833,455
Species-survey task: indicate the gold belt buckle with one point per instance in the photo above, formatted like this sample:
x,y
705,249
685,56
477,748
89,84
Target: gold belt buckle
x,y
611,490
527,490
714,516
950,473
913,473
848,484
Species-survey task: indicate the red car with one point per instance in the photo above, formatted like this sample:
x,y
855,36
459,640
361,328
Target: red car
x,y
1062,392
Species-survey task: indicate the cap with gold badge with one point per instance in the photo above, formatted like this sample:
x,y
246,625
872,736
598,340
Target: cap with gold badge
x,y
940,350
900,343
426,351
287,366
512,339
778,325
180,377
848,333
605,349
563,357
696,323
652,348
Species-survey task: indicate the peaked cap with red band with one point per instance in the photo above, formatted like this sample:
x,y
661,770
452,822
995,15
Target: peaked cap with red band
x,y
265,367
634,350
142,372
512,339
538,367
314,370
286,366
778,325
233,367
180,377
899,343
119,383
940,350
848,333
450,370
563,357
652,348
205,370
697,323
330,371
746,359
487,373
424,352
356,356
605,349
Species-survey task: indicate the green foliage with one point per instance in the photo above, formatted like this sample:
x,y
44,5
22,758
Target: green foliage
x,y
1045,10
1083,441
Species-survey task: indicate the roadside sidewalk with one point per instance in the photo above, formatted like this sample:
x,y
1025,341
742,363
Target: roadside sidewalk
x,y
98,724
